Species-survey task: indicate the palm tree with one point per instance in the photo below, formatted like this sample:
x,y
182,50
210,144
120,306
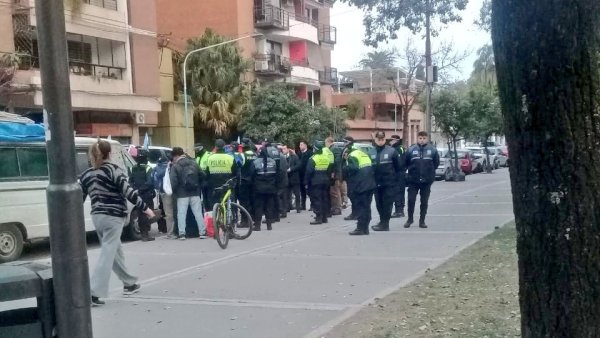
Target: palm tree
x,y
484,68
218,92
379,59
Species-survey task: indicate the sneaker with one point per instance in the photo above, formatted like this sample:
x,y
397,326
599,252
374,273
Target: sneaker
x,y
130,290
97,302
182,237
171,236
203,237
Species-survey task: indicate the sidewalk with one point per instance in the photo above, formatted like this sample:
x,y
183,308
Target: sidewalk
x,y
299,279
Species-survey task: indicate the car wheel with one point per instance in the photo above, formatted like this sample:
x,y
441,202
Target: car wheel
x,y
11,243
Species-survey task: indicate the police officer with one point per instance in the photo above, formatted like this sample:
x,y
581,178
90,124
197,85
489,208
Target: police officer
x,y
282,181
387,167
201,159
358,171
220,167
245,190
141,180
264,180
421,161
331,157
335,191
396,143
318,178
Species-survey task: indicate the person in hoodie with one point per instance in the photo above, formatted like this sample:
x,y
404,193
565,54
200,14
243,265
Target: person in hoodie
x,y
220,167
317,179
264,174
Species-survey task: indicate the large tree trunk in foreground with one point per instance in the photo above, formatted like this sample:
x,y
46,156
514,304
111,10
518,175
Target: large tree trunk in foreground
x,y
549,79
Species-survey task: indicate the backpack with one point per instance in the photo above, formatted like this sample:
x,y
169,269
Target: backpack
x,y
190,177
139,178
158,175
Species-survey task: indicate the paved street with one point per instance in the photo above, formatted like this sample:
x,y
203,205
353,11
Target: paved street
x,y
297,280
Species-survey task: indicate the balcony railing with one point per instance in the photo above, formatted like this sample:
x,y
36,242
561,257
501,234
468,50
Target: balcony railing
x,y
307,20
300,62
269,16
272,65
108,4
78,68
90,69
328,75
328,34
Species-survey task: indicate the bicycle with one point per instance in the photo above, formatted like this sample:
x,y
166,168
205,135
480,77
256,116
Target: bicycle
x,y
228,217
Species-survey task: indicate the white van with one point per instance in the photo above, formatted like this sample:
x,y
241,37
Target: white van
x,y
23,183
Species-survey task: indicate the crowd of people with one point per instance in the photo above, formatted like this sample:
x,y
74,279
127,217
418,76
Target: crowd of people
x,y
271,181
274,179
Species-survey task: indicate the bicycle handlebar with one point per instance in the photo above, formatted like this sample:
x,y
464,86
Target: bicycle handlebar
x,y
229,184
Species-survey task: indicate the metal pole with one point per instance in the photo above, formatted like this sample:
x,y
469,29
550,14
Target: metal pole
x,y
395,119
67,234
428,65
185,104
370,79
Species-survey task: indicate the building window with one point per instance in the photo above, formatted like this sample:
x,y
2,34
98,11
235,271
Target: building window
x,y
108,4
274,47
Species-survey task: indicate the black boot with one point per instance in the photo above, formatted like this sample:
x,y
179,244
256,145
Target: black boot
x,y
256,227
269,227
422,224
382,226
316,221
408,223
350,218
146,237
356,232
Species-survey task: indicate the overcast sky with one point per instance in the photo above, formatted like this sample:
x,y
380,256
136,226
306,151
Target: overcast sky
x,y
350,33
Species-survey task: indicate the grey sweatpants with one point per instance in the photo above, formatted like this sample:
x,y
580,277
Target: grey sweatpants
x,y
109,230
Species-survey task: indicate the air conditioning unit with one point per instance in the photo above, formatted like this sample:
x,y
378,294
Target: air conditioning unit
x,y
261,65
140,118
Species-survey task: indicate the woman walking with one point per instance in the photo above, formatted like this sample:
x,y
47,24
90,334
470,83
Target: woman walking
x,y
107,186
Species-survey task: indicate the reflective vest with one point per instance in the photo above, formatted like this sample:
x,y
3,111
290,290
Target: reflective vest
x,y
363,159
327,152
220,163
322,161
202,161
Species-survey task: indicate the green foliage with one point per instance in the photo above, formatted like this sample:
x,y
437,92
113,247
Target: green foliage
x,y
487,115
383,18
485,16
354,108
215,83
484,68
452,113
275,113
379,59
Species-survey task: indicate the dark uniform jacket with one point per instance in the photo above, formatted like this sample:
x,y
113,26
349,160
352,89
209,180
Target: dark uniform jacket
x,y
387,166
304,157
264,175
358,172
246,170
402,157
318,170
421,161
295,166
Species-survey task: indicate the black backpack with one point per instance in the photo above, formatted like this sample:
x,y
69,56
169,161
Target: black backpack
x,y
190,177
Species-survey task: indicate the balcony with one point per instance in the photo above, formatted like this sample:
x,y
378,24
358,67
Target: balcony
x,y
272,65
271,17
328,35
108,4
328,76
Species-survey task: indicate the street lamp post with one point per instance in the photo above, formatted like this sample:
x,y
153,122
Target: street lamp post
x,y
185,97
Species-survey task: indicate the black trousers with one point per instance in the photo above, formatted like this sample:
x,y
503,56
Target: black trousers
x,y
400,200
143,219
284,201
245,198
264,204
319,200
362,209
303,193
384,200
206,199
423,189
295,190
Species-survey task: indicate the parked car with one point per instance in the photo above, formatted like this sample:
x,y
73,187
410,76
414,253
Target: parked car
x,y
466,161
155,153
504,151
23,183
481,158
444,167
501,159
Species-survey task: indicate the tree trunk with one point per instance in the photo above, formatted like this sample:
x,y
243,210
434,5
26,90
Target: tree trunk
x,y
549,80
405,125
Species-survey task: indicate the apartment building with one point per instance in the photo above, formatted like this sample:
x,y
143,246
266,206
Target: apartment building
x,y
112,60
295,46
380,107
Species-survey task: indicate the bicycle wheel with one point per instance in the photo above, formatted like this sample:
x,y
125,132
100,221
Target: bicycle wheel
x,y
241,222
221,233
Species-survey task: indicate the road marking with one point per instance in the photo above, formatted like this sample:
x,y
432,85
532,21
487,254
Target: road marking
x,y
471,215
477,203
234,303
385,258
